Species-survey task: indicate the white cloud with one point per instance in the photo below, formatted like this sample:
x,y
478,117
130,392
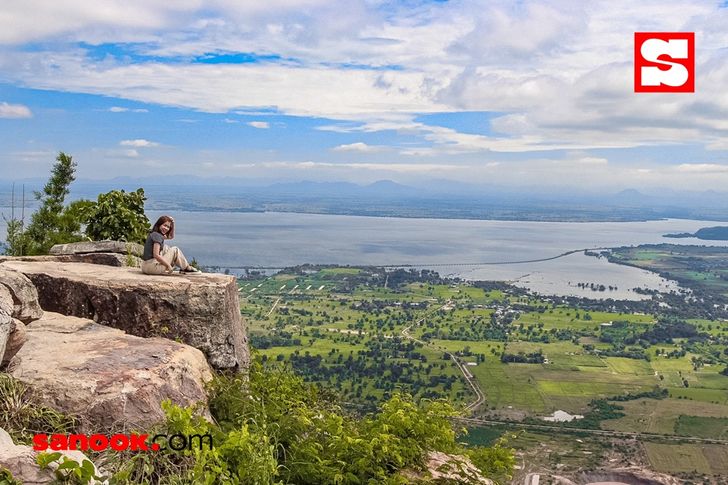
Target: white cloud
x,y
702,168
558,74
14,111
120,109
138,143
125,153
361,93
358,147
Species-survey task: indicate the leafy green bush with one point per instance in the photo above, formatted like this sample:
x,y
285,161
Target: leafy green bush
x,y
497,462
117,215
272,428
68,471
6,478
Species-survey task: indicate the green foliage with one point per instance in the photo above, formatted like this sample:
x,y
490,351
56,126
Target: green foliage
x,y
599,410
21,415
130,259
239,456
14,237
272,428
496,462
68,470
118,215
53,223
6,478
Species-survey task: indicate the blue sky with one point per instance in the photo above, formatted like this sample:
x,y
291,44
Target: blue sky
x,y
494,92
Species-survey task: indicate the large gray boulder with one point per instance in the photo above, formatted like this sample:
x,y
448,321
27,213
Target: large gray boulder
x,y
7,324
201,310
17,338
26,307
109,379
108,259
86,247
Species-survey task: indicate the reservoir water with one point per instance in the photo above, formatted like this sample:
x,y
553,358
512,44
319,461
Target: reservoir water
x,y
239,239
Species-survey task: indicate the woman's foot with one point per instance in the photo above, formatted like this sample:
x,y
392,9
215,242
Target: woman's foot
x,y
190,269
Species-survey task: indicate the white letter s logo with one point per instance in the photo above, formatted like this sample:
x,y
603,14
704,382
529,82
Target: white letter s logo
x,y
677,74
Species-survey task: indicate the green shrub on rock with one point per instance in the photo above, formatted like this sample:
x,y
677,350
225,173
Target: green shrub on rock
x,y
119,216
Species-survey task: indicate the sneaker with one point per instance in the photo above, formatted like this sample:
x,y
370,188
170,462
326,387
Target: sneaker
x,y
190,270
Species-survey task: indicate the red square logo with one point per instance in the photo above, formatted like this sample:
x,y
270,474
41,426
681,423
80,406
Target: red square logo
x,y
664,62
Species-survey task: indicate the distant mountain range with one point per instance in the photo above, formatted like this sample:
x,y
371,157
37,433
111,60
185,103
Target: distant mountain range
x,y
436,198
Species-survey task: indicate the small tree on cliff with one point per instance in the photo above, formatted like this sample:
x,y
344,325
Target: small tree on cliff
x,y
54,222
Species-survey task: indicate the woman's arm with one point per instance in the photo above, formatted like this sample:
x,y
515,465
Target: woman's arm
x,y
159,258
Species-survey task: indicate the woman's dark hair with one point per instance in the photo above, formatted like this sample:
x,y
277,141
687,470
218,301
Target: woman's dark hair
x,y
160,221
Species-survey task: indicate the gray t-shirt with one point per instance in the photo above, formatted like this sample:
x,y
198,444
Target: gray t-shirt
x,y
154,237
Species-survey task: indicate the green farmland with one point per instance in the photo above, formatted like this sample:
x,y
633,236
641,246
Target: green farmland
x,y
367,332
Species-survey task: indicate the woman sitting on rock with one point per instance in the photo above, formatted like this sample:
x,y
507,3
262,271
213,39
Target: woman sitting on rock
x,y
161,259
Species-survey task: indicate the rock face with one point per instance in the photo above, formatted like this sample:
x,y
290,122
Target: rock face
x,y
201,310
17,338
85,247
108,259
6,317
446,468
20,460
107,377
110,253
26,307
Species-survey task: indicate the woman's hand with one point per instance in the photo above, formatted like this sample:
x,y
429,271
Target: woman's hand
x,y
170,234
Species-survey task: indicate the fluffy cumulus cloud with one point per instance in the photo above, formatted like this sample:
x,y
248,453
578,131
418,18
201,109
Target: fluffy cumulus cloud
x,y
556,73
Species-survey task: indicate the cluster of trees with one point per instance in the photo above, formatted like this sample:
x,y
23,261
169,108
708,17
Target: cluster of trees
x,y
280,339
116,215
383,365
667,329
596,286
400,277
524,358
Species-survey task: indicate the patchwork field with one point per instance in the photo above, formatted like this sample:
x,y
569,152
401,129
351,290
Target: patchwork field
x,y
661,416
687,458
344,327
370,332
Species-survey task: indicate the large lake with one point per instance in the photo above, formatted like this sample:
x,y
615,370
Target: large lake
x,y
233,239
286,239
